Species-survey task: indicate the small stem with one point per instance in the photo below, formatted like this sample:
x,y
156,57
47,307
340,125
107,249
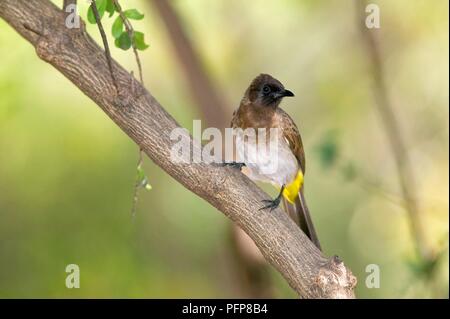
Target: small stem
x,y
130,32
105,43
136,185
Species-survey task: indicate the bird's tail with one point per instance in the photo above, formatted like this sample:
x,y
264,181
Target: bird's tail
x,y
300,214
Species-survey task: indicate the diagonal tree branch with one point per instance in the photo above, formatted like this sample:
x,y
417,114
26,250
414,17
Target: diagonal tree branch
x,y
138,114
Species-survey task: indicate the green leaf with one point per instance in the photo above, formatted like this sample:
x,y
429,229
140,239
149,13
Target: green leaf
x,y
117,27
140,173
139,41
328,151
421,267
426,267
110,7
101,7
142,180
145,184
133,14
91,16
124,41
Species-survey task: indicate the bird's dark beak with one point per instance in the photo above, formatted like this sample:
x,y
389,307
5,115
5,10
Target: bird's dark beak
x,y
288,93
281,94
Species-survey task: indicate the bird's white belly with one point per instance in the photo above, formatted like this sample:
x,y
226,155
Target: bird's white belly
x,y
272,162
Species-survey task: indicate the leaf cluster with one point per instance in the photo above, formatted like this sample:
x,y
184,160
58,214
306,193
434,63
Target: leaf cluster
x,y
118,30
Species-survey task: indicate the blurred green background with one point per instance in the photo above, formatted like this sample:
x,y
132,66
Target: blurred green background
x,y
67,172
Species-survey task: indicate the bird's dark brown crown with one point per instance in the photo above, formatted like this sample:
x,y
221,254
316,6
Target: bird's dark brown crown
x,y
265,90
259,82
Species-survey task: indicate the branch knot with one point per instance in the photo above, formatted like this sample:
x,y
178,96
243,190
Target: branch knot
x,y
335,280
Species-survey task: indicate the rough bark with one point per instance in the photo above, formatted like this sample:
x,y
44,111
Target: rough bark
x,y
76,55
68,2
246,261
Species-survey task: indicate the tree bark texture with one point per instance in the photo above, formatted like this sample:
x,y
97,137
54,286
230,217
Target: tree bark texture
x,y
78,57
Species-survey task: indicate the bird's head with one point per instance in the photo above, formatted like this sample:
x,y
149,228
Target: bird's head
x,y
266,91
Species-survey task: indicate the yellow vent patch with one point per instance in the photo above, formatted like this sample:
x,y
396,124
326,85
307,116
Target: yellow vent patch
x,y
291,190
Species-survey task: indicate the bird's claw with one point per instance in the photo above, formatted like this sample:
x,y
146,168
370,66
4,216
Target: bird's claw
x,y
271,204
234,165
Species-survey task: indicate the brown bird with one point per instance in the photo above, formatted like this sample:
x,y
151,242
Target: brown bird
x,y
282,160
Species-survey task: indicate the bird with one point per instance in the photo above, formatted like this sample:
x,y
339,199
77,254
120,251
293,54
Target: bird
x,y
283,165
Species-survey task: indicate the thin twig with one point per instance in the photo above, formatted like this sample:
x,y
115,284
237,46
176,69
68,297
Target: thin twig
x,y
108,56
105,43
130,32
137,185
393,132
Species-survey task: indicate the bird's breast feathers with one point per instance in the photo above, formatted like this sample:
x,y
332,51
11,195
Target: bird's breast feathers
x,y
267,159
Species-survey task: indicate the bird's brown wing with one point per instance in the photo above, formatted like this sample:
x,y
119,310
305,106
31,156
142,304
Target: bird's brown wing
x,y
292,136
235,120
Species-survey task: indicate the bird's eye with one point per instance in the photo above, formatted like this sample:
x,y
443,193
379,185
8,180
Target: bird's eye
x,y
266,89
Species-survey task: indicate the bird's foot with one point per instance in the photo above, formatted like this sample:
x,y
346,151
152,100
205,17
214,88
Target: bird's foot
x,y
271,204
234,165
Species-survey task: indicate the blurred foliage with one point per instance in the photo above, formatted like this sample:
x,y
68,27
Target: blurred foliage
x,y
328,150
142,179
67,172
